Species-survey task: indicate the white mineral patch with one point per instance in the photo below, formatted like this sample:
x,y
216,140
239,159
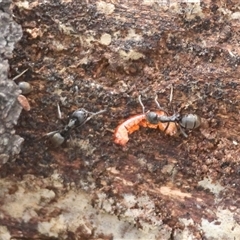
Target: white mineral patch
x,y
105,39
4,233
225,227
76,212
106,8
235,15
132,35
133,55
215,188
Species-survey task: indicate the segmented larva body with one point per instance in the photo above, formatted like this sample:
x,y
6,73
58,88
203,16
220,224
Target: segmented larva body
x,y
132,124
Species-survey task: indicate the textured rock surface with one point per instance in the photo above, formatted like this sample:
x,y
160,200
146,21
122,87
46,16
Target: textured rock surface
x,y
102,55
10,109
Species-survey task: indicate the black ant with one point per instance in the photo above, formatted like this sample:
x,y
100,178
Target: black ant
x,y
188,121
77,119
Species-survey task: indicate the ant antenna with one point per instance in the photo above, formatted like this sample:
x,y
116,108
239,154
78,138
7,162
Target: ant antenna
x,y
171,95
140,101
93,114
158,104
171,98
156,101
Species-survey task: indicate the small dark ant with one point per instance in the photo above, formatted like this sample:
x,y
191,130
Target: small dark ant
x,y
77,119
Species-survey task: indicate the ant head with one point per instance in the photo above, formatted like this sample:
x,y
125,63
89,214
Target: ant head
x,y
79,116
152,117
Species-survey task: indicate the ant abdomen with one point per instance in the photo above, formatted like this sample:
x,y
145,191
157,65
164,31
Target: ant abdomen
x,y
190,121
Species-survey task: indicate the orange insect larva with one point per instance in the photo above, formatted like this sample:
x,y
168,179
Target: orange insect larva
x,y
133,123
127,127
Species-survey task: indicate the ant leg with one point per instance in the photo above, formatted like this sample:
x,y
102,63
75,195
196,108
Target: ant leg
x,y
59,112
50,134
140,101
182,131
166,128
19,75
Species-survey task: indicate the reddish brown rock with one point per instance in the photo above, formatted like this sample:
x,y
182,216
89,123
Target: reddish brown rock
x,y
102,55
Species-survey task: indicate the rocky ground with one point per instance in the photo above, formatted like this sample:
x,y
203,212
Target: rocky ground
x,y
103,55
